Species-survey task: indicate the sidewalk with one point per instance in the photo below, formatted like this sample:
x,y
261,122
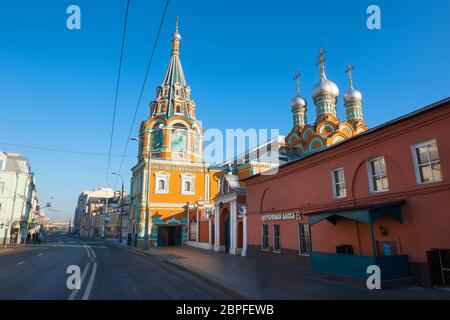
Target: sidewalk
x,y
258,278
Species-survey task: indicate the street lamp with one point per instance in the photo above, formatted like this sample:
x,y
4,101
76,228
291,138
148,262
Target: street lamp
x,y
147,213
121,208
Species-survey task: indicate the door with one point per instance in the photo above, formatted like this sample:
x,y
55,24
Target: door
x,y
161,236
227,235
439,266
177,236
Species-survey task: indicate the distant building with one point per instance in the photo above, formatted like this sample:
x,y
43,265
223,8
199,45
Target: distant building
x,y
98,214
18,199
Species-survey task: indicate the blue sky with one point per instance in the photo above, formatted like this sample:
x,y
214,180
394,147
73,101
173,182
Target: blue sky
x,y
57,86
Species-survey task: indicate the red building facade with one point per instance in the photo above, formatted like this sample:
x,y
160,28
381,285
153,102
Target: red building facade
x,y
380,198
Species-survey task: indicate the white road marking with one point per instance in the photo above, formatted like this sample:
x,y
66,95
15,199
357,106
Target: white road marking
x,y
83,275
92,252
87,292
22,262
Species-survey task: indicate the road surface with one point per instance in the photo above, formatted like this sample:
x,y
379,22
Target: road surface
x,y
107,272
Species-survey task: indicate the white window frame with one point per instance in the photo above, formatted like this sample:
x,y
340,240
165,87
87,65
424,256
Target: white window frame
x,y
371,175
262,238
162,176
274,238
191,178
335,183
414,147
300,240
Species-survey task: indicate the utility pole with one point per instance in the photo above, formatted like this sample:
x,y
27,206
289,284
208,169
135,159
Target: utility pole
x,y
121,208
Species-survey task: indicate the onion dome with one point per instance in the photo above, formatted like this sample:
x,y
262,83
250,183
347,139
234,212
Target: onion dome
x,y
325,86
298,102
352,94
176,36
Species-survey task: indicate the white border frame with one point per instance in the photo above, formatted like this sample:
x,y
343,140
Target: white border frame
x,y
161,176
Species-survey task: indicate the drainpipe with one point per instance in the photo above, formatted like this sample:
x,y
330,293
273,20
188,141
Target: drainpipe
x,y
197,226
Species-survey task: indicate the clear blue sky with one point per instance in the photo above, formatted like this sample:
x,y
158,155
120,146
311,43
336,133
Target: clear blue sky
x,y
57,86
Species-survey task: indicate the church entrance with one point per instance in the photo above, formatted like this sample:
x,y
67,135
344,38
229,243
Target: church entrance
x,y
169,236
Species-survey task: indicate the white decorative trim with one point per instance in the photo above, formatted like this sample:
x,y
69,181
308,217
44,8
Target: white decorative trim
x,y
161,176
200,245
219,248
187,177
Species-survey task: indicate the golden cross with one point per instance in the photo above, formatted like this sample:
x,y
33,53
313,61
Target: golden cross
x,y
297,84
321,62
348,69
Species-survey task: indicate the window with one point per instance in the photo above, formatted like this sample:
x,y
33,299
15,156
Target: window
x,y
338,180
2,163
276,238
161,183
304,238
378,180
2,187
178,109
187,184
427,163
265,237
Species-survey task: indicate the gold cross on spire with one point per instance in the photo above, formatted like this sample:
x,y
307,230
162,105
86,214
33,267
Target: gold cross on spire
x,y
297,83
348,69
321,62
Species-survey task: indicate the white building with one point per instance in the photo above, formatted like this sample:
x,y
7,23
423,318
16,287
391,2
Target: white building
x,y
18,199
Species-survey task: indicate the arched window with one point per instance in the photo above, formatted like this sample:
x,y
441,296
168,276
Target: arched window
x,y
161,185
178,109
187,184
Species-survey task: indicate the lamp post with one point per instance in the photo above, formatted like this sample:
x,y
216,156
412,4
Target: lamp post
x,y
121,208
147,211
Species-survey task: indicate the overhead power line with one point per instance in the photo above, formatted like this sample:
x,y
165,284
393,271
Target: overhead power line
x,y
143,85
117,92
50,149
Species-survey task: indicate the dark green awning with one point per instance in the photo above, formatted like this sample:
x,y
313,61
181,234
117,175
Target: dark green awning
x,y
367,215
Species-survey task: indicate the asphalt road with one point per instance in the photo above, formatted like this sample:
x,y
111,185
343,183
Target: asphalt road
x,y
107,272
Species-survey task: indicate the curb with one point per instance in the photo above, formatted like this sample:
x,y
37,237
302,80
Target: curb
x,y
208,280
